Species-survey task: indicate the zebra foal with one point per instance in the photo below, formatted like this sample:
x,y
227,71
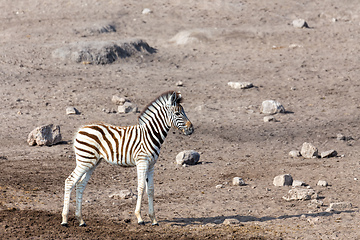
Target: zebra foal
x,y
131,146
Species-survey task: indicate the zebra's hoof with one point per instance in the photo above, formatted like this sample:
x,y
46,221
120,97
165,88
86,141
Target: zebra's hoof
x,y
82,225
64,224
155,224
141,223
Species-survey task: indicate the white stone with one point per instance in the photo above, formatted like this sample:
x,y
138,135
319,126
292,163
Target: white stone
x,y
283,180
240,85
238,181
328,154
188,157
219,186
298,183
122,194
179,84
118,100
322,183
269,119
190,36
314,203
271,107
294,153
71,111
300,23
299,194
45,135
340,206
146,11
231,221
308,150
127,107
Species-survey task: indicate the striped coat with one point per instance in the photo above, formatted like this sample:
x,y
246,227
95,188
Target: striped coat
x,y
137,145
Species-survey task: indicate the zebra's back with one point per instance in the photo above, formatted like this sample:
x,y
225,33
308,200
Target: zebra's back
x,y
116,145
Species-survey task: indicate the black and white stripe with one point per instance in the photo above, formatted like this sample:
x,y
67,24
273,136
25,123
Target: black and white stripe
x,y
137,145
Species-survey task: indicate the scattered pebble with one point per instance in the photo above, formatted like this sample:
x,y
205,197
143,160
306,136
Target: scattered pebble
x,y
328,154
298,183
340,206
238,181
269,119
71,111
146,11
240,85
231,221
127,107
322,183
219,186
118,100
122,194
300,194
294,154
180,84
300,23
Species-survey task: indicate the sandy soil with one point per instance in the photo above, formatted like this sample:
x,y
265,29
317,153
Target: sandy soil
x,y
313,72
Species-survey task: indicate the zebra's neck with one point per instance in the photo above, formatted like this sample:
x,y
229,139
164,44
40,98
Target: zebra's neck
x,y
154,118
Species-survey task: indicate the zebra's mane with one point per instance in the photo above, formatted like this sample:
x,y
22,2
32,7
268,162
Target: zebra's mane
x,y
161,100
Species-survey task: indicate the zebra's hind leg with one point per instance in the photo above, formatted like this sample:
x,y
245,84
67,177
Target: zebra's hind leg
x,y
80,187
69,185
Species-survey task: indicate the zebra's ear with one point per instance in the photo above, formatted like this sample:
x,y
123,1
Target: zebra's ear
x,y
175,98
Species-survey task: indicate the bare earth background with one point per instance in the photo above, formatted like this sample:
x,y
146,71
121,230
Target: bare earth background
x,y
317,81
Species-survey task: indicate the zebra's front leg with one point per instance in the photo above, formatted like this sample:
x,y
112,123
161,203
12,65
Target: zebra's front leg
x,y
142,167
150,193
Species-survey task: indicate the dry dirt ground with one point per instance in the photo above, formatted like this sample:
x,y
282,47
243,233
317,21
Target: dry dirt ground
x,y
314,72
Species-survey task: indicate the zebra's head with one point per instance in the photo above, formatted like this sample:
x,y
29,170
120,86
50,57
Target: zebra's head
x,y
177,116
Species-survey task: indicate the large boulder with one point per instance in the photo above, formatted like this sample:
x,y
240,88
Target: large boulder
x,y
45,135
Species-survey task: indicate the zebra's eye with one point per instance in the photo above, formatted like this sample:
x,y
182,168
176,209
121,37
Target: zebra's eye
x,y
177,113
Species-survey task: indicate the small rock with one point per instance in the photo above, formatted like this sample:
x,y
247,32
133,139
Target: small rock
x,y
295,45
240,85
340,206
146,11
328,154
340,137
283,180
313,220
71,111
322,183
190,36
179,84
300,23
118,100
231,221
271,107
127,107
189,157
308,150
299,194
298,183
314,203
238,181
219,186
45,135
294,153
122,194
269,119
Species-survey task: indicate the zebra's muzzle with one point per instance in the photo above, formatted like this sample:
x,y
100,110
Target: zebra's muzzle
x,y
189,129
